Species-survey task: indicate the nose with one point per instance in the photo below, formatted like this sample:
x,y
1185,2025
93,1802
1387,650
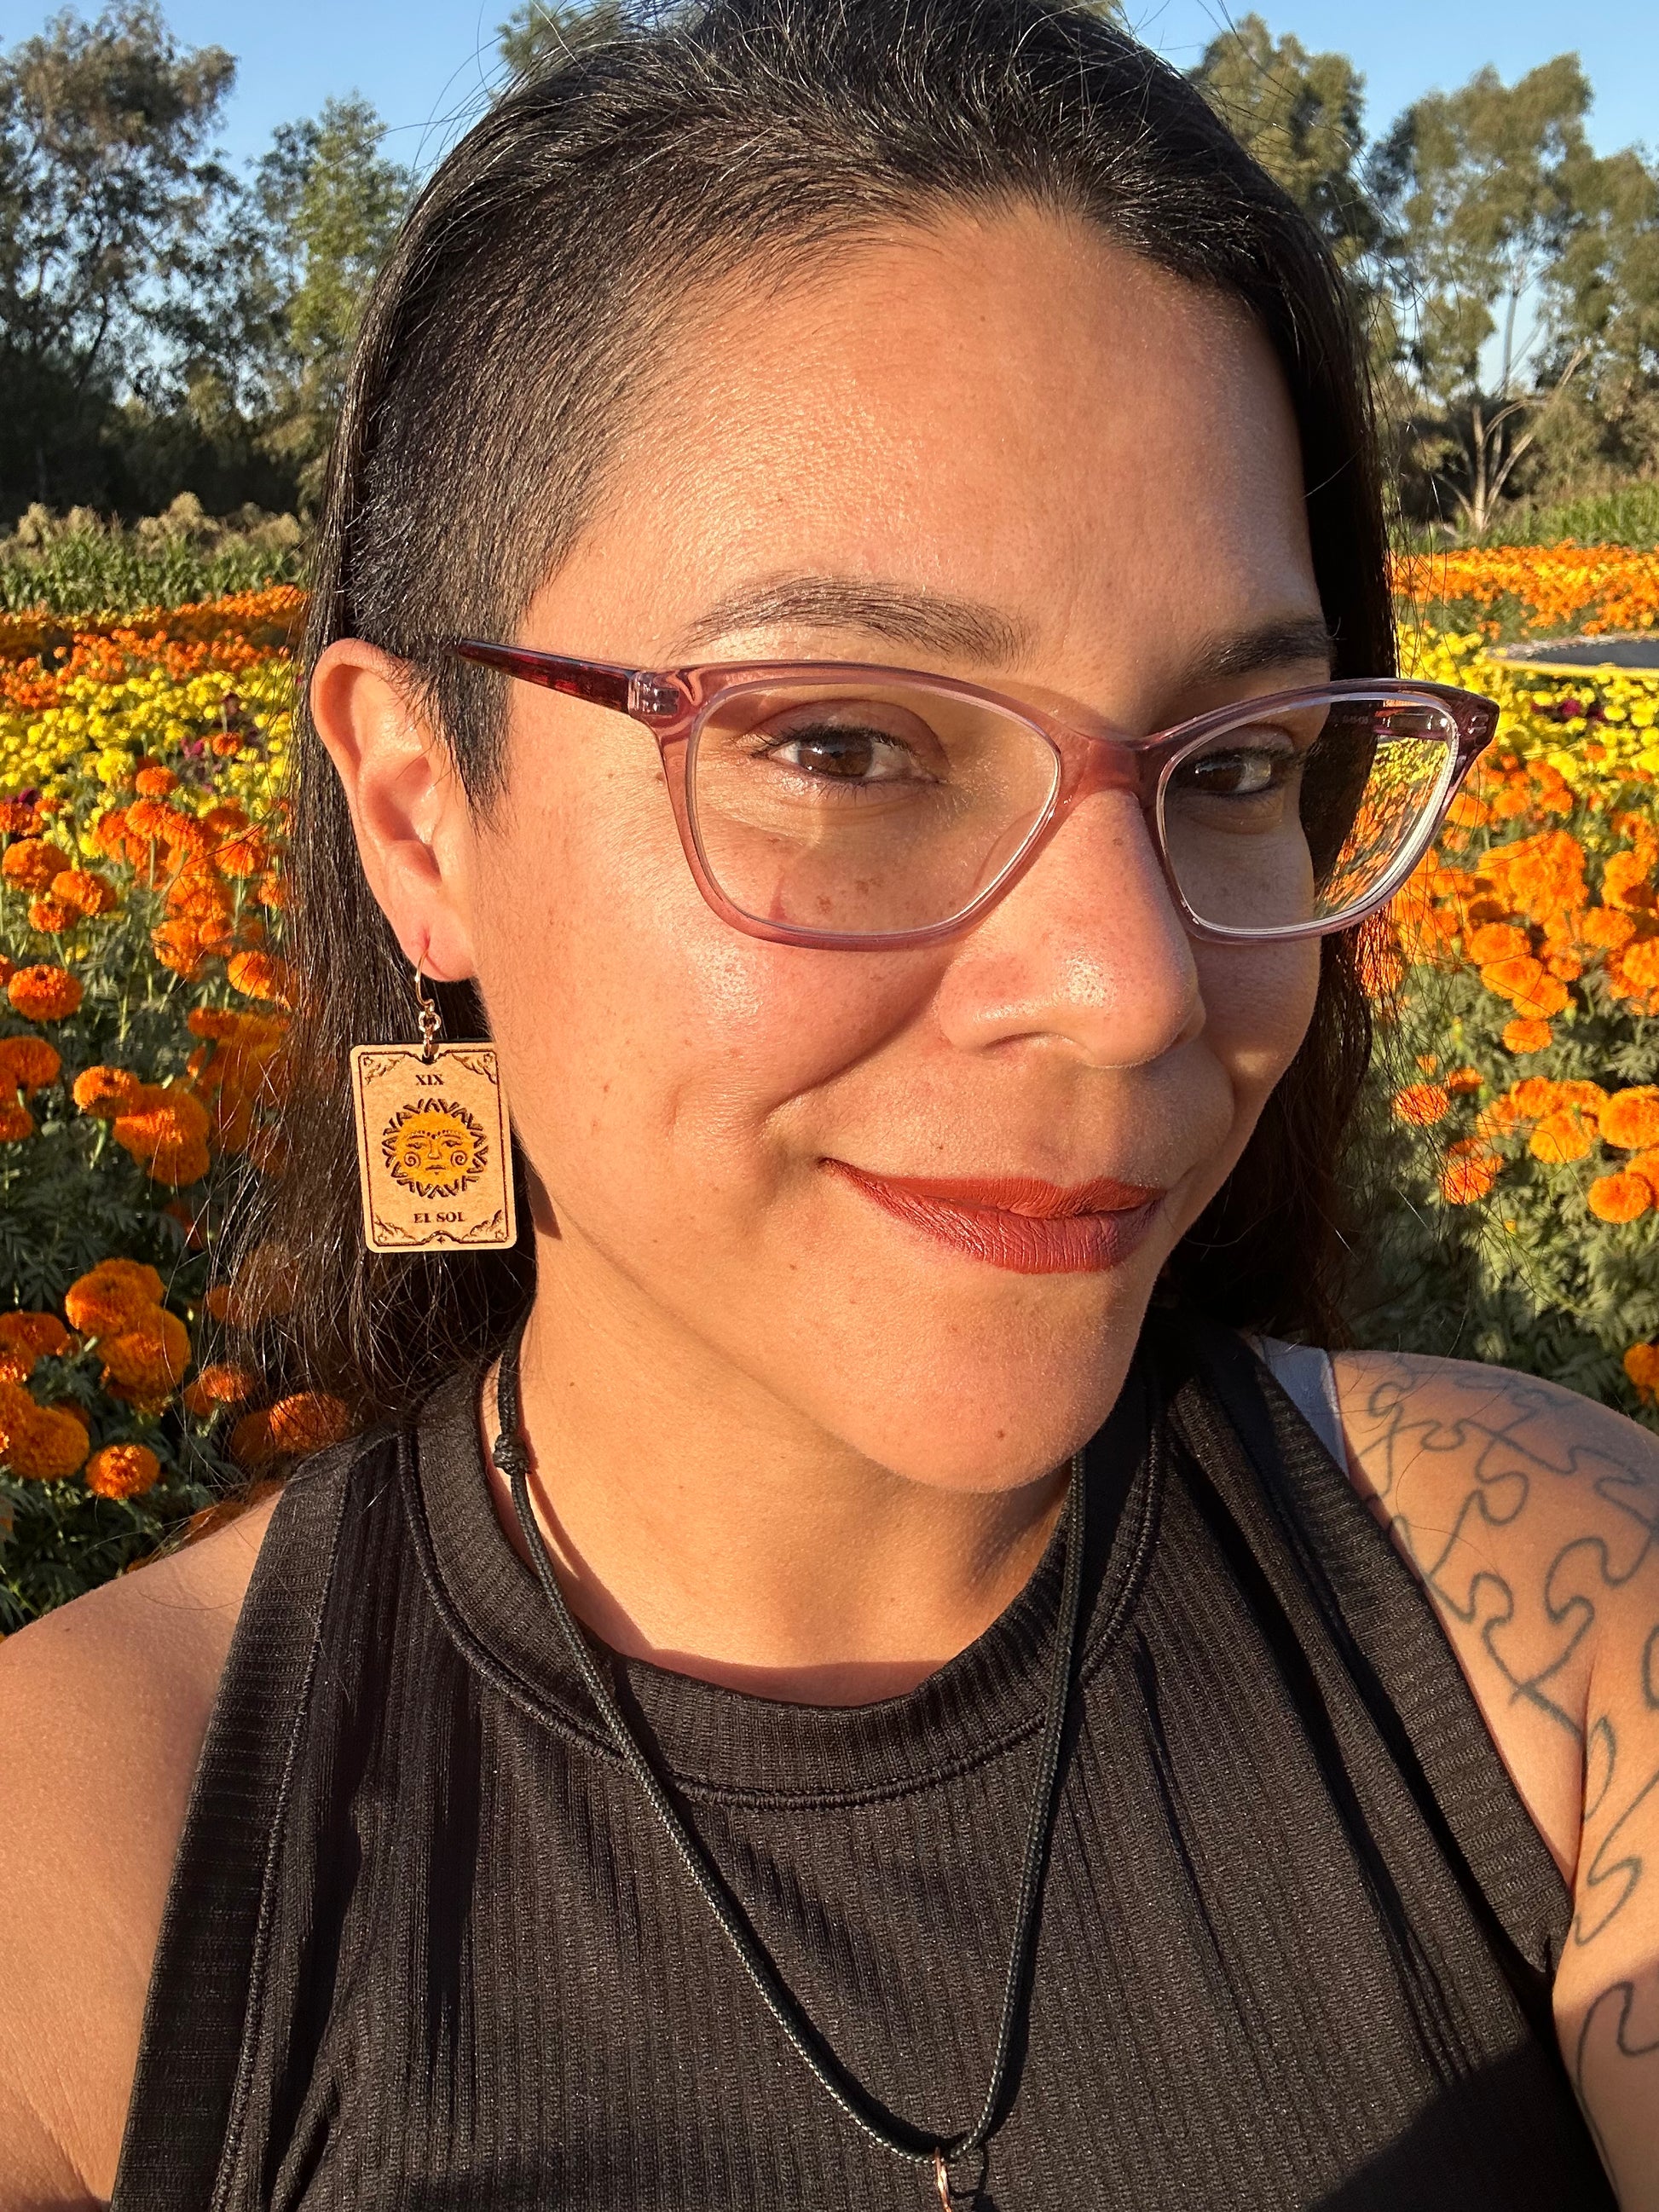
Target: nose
x,y
1087,952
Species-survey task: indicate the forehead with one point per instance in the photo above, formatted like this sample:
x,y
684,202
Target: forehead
x,y
1014,409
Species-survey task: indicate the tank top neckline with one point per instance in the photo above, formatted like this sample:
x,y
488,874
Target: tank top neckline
x,y
730,1744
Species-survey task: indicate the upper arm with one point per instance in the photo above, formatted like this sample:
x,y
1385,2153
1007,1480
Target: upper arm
x,y
1532,1517
103,1709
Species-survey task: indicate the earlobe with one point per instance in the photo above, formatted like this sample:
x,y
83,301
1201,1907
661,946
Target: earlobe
x,y
410,813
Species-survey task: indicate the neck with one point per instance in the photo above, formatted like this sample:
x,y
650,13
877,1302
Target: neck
x,y
696,1522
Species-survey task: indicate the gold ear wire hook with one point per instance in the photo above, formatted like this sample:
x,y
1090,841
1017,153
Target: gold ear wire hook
x,y
942,2181
431,1019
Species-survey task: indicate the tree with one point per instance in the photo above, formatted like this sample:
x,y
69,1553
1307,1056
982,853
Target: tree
x,y
1302,116
1490,186
104,181
329,202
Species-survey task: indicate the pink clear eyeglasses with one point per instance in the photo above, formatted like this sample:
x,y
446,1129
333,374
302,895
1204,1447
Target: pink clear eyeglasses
x,y
858,808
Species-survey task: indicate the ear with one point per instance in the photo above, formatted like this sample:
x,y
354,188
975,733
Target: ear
x,y
414,827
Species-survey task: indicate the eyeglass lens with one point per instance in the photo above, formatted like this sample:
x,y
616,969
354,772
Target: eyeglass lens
x,y
890,806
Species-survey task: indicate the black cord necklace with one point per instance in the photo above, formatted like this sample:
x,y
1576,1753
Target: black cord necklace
x,y
909,2144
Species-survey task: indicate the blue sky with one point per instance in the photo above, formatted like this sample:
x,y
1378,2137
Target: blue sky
x,y
423,63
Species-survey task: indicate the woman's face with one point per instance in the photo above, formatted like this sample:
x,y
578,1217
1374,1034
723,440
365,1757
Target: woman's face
x,y
1042,466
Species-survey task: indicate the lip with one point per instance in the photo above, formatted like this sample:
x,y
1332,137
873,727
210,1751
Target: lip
x,y
1019,1223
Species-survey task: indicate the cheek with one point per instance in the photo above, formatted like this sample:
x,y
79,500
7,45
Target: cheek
x,y
1258,1001
647,1045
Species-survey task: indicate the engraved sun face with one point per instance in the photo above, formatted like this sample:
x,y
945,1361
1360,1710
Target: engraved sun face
x,y
434,1148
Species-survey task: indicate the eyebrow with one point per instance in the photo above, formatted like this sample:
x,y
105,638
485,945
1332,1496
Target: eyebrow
x,y
1270,645
971,630
906,615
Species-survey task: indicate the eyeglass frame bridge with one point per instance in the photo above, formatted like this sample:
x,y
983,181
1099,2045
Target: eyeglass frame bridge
x,y
672,704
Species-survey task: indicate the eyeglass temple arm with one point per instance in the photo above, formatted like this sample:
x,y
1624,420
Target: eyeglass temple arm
x,y
636,691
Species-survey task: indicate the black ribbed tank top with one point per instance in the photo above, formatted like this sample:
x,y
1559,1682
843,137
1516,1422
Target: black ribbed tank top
x,y
425,1946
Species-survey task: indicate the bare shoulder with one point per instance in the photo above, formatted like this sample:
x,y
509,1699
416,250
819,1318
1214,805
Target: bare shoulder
x,y
103,1709
1532,1516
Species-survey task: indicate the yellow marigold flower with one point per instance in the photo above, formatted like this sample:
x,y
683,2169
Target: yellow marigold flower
x,y
44,993
1420,1105
123,1471
1630,1119
84,891
107,1091
146,1361
262,976
39,1444
112,1297
1561,1136
1526,1034
1622,1197
31,864
28,1063
1470,1169
222,1383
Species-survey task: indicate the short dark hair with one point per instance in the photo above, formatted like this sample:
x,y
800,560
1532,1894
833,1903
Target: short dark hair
x,y
504,350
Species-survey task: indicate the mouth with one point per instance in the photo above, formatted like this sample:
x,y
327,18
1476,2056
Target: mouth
x,y
1018,1223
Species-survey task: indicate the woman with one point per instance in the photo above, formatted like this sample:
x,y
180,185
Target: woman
x,y
876,1694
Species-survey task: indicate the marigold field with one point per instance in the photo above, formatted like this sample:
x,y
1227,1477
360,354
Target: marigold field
x,y
1514,1124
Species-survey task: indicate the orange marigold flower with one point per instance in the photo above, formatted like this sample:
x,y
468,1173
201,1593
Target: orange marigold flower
x,y
107,1090
1421,1104
123,1471
18,817
28,1063
51,917
39,1444
112,1297
1642,1365
31,864
16,1122
1464,1079
154,782
178,944
44,993
245,855
1470,1169
271,889
85,891
1565,966
1524,983
165,1132
1561,1136
225,819
27,1338
1623,881
1646,1165
1630,1118
305,1423
1640,963
222,1383
1610,929
262,976
146,1361
1622,1197
1497,940
1526,1035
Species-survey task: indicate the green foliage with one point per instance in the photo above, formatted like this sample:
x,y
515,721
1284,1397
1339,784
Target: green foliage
x,y
1302,117
104,183
1627,516
81,564
1527,1277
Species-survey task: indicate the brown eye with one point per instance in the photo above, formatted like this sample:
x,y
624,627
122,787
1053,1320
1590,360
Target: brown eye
x,y
845,753
1243,773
